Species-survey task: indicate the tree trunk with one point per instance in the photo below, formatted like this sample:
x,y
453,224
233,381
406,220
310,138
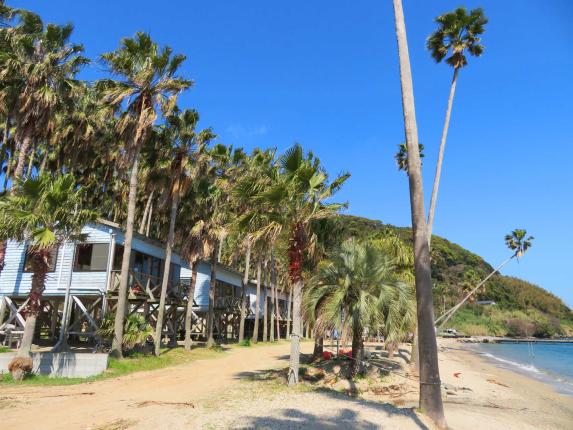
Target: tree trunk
x,y
357,366
265,314
43,163
277,311
23,153
189,310
146,213
318,347
30,163
211,312
272,304
166,270
294,362
40,261
289,313
436,186
430,385
117,344
244,293
257,304
148,228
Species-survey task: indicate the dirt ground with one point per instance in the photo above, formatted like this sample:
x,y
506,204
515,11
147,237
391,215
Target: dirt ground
x,y
228,393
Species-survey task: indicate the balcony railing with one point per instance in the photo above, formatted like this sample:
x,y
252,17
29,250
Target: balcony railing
x,y
143,286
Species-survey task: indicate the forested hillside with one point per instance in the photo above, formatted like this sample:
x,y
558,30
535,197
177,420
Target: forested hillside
x,y
521,308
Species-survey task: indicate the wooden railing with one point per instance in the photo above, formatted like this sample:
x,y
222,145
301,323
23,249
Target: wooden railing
x,y
143,286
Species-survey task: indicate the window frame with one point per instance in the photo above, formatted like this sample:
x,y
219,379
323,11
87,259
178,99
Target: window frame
x,y
78,270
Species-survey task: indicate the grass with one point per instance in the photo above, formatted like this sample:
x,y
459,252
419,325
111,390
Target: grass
x,y
131,364
4,349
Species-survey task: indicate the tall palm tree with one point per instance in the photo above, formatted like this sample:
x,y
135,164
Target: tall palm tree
x,y
147,84
518,242
295,195
458,32
430,385
186,146
358,288
43,213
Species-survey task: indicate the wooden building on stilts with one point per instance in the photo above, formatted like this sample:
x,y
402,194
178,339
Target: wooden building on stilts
x,y
83,282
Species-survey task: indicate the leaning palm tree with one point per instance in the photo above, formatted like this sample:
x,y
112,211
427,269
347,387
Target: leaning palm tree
x,y
518,242
44,212
430,385
147,84
358,289
458,32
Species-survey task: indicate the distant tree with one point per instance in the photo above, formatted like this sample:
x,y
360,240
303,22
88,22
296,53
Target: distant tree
x,y
402,156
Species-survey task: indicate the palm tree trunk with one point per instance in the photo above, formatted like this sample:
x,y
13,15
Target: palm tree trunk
x,y
289,313
166,270
257,304
357,366
244,293
294,362
40,260
430,385
277,311
318,347
211,311
30,163
436,186
449,314
116,347
43,163
148,228
23,153
189,310
146,211
272,304
265,311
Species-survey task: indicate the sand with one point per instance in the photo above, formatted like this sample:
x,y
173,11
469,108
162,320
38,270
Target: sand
x,y
220,394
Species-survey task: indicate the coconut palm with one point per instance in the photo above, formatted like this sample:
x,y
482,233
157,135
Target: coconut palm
x,y
430,385
358,289
43,212
147,84
518,242
187,145
458,33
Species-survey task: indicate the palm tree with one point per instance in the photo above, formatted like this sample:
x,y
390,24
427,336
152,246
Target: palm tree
x,y
401,156
358,289
518,242
186,146
295,195
430,385
43,212
147,84
458,32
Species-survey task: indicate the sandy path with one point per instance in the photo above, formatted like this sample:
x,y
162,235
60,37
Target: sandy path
x,y
117,398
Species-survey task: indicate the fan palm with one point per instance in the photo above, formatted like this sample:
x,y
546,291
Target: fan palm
x,y
147,84
293,195
458,33
518,242
186,146
401,156
43,212
358,289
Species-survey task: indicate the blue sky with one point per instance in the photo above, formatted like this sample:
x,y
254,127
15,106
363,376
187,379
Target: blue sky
x,y
325,74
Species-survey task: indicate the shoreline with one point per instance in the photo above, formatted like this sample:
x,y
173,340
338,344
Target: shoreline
x,y
497,397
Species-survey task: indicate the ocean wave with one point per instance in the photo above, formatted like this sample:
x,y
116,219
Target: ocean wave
x,y
527,367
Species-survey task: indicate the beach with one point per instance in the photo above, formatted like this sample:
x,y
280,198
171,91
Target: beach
x,y
498,398
219,394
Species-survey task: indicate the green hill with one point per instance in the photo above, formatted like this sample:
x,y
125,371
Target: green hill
x,y
521,308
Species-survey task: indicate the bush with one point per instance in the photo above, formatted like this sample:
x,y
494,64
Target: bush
x,y
19,367
245,342
544,329
519,328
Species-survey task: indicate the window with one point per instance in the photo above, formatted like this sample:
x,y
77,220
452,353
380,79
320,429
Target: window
x,y
91,257
51,263
146,264
118,257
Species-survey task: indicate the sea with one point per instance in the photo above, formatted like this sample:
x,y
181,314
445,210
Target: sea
x,y
548,362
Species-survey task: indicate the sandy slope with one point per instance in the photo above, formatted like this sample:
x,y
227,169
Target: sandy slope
x,y
223,398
